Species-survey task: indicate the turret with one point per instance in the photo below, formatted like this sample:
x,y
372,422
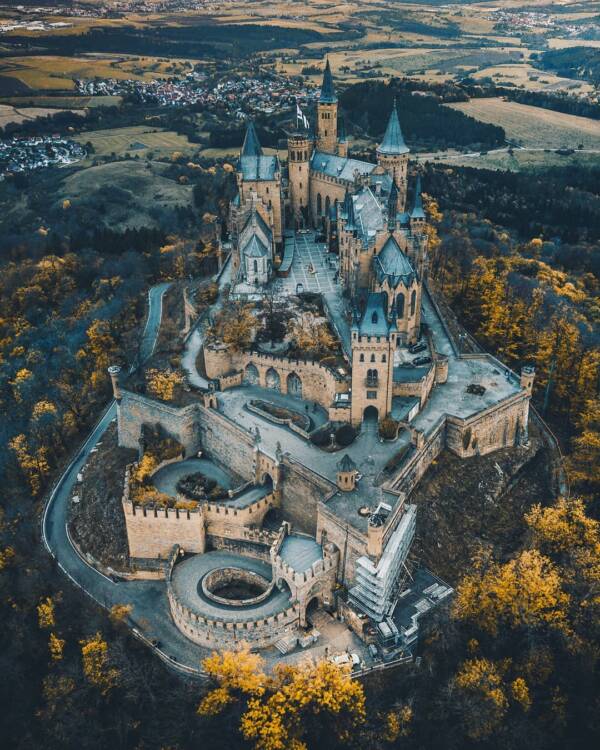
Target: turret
x,y
392,155
527,377
417,214
299,152
346,474
327,114
342,147
114,372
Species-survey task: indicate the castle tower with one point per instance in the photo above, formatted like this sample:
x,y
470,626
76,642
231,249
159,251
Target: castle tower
x,y
300,148
392,155
327,114
342,146
418,221
373,345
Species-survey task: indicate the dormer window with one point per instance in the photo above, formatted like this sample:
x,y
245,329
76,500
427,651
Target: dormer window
x,y
374,318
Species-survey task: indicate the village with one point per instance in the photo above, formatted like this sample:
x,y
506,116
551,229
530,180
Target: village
x,y
26,154
267,94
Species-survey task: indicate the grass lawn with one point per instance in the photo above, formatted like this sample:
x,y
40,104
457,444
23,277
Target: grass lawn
x,y
534,126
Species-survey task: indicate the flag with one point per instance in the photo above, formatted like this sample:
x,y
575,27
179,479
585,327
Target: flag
x,y
305,121
299,114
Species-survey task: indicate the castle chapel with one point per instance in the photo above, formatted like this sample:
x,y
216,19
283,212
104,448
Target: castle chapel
x,y
381,242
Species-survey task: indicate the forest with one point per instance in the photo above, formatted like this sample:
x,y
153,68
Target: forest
x,y
426,123
572,62
513,661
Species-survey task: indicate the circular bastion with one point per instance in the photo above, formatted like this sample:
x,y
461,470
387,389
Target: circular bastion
x,y
221,599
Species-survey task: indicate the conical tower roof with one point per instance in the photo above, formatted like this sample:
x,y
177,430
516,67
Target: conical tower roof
x,y
328,95
346,463
393,142
417,211
251,145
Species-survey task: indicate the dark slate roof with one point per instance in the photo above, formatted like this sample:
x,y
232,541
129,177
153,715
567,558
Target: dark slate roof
x,y
417,211
258,219
393,141
346,463
328,95
391,263
368,215
251,145
258,167
254,248
348,212
374,320
339,166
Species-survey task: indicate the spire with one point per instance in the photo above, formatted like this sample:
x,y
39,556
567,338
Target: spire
x,y
349,211
328,95
251,145
417,211
393,141
392,205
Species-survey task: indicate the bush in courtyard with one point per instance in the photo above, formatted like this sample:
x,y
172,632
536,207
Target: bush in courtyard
x,y
344,435
388,428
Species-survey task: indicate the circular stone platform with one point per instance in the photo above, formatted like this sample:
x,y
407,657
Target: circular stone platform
x,y
217,622
187,585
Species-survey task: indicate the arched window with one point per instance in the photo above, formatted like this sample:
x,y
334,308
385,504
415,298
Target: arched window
x,y
413,302
372,376
383,358
372,358
374,318
319,204
399,305
255,266
362,358
327,205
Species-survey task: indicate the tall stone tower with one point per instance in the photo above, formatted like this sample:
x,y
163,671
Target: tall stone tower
x,y
392,155
327,114
300,148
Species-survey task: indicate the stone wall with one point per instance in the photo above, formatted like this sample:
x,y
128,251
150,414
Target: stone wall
x,y
319,382
135,410
349,541
302,490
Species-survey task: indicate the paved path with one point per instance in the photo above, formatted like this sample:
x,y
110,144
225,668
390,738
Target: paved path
x,y
187,579
150,618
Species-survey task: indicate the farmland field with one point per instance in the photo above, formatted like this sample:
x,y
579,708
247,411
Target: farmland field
x,y
11,114
533,126
136,140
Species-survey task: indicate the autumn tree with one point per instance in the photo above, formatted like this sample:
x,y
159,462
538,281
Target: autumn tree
x,y
96,663
235,325
164,384
290,709
312,335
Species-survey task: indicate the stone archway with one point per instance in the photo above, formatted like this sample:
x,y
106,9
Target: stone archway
x,y
250,375
371,414
272,379
294,385
311,608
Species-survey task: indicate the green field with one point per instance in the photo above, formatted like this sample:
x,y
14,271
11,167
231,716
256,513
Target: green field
x,y
137,140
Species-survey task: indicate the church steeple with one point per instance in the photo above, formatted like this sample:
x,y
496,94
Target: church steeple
x,y
328,95
251,145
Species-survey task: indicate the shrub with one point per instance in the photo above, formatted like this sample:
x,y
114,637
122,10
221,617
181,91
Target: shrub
x,y
388,428
344,435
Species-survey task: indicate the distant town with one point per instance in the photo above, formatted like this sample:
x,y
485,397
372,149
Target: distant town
x,y
26,154
240,96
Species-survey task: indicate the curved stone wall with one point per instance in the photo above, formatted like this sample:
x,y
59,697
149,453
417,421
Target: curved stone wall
x,y
223,576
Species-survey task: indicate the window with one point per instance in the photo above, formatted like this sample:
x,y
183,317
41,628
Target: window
x,y
413,302
400,306
383,358
371,395
374,318
362,358
327,205
372,358
255,266
319,204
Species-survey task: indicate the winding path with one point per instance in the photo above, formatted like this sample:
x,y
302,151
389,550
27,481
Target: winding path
x,y
150,619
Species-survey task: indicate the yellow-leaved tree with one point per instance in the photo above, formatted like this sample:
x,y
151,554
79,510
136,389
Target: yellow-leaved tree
x,y
96,663
525,592
290,709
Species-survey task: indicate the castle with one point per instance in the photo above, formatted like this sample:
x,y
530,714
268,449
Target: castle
x,y
345,522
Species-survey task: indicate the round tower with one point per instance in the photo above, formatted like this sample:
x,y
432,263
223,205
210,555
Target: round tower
x,y
392,155
299,153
